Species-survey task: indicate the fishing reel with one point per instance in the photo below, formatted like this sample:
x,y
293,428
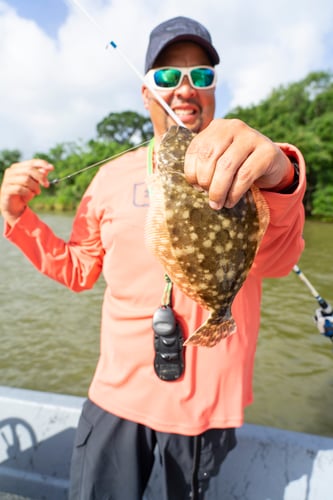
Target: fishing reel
x,y
324,322
323,317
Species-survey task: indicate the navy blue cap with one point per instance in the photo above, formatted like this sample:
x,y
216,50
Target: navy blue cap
x,y
175,30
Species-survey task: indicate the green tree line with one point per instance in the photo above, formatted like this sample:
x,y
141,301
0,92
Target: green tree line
x,y
300,113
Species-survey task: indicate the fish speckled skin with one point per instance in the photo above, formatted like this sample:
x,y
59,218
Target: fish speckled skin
x,y
206,253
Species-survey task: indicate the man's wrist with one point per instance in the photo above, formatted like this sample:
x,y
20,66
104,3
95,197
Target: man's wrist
x,y
290,182
295,181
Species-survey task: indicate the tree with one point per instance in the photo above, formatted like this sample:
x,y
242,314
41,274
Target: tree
x,y
7,157
301,113
127,127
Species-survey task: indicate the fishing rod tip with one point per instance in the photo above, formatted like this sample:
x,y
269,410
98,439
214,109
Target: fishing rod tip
x,y
112,44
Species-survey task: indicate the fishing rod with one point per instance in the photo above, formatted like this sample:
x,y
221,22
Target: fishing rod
x,y
324,315
137,72
112,44
327,308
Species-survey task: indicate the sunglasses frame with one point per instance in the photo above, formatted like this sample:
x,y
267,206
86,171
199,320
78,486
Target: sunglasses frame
x,y
185,71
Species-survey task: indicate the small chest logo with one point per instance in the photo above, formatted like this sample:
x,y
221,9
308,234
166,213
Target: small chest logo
x,y
140,195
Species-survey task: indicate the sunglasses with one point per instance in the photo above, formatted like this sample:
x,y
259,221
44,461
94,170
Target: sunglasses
x,y
200,77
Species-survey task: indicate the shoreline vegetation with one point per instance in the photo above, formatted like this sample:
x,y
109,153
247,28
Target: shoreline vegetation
x,y
300,113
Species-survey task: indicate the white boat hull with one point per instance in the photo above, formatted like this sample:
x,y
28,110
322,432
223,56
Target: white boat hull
x,y
36,438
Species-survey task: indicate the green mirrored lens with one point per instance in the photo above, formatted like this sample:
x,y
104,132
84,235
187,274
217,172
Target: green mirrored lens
x,y
167,78
171,77
202,77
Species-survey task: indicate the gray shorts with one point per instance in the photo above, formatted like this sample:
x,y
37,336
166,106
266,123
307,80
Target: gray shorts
x,y
116,459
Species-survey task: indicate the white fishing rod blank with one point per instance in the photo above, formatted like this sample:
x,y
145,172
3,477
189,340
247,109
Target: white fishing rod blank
x,y
112,44
327,308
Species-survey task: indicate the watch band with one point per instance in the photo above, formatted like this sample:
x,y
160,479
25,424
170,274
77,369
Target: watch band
x,y
291,188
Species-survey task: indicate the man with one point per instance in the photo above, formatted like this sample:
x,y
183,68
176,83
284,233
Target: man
x,y
131,409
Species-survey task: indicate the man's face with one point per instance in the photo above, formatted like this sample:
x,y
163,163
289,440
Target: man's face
x,y
194,107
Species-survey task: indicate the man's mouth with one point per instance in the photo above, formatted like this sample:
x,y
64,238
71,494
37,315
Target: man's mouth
x,y
184,112
188,115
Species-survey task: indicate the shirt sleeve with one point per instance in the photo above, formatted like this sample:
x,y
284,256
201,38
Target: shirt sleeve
x,y
77,263
283,242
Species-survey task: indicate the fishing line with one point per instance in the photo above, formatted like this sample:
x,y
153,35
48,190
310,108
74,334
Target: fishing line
x,y
113,157
137,72
130,64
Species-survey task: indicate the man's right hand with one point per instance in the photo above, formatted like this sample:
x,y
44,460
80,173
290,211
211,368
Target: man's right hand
x,y
21,183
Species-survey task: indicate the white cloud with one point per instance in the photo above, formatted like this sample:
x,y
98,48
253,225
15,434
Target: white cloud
x,y
57,90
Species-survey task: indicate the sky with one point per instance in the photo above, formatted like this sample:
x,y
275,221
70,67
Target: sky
x,y
57,79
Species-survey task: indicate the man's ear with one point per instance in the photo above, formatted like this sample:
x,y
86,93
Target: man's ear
x,y
145,96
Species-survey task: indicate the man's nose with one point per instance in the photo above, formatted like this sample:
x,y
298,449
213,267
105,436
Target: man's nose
x,y
185,87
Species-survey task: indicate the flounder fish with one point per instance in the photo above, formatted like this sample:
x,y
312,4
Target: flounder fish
x,y
206,253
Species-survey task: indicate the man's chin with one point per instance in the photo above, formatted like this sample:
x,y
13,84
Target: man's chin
x,y
193,125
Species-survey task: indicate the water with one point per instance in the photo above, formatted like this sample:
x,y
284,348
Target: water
x,y
50,336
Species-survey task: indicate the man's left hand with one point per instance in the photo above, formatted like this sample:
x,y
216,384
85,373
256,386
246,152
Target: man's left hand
x,y
228,156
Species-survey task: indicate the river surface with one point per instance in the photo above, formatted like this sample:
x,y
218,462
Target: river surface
x,y
49,336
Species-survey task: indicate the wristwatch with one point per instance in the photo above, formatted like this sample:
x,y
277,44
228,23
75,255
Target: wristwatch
x,y
291,188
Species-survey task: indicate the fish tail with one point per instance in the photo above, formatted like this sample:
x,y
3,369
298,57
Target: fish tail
x,y
211,332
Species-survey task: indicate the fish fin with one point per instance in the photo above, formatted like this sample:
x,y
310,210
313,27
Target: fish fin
x,y
263,212
156,233
157,236
211,333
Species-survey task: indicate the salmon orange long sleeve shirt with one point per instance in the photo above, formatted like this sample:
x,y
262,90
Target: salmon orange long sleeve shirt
x,y
108,236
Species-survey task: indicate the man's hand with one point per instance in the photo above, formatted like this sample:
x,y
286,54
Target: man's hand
x,y
228,156
21,183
